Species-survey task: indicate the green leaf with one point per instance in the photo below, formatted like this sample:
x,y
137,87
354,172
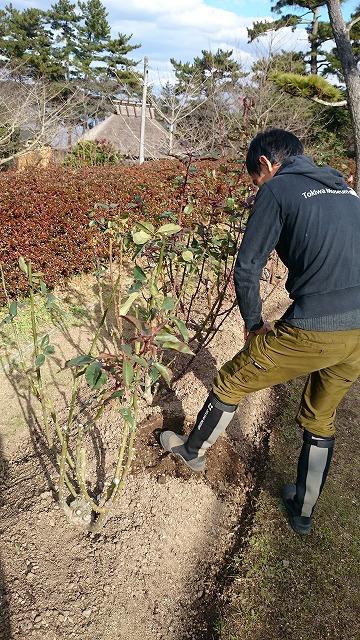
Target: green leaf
x,y
168,229
95,375
23,266
145,226
136,286
49,350
164,336
230,203
126,348
139,274
124,308
169,214
140,237
141,361
177,346
50,301
182,328
128,416
187,255
39,361
169,341
154,290
13,309
188,209
79,361
43,288
164,371
117,394
154,375
45,341
128,373
168,304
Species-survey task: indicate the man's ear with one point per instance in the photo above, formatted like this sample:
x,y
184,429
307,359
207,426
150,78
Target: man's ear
x,y
265,163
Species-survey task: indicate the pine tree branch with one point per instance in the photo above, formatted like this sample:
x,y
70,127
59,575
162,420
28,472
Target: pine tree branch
x,y
340,103
350,25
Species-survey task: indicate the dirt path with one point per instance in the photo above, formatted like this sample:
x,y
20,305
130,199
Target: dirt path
x,y
152,573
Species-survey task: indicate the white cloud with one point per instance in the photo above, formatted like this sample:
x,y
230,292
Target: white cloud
x,y
180,29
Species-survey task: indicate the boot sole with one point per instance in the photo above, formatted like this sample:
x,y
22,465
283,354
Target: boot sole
x,y
288,493
191,464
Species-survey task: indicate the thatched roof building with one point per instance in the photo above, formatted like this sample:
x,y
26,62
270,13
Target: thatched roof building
x,y
122,130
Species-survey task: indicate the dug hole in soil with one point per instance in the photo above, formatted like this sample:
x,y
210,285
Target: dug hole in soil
x,y
154,572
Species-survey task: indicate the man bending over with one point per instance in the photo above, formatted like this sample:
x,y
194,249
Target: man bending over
x,y
312,218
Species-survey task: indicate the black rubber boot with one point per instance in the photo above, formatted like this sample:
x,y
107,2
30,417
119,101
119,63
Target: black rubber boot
x,y
313,466
211,422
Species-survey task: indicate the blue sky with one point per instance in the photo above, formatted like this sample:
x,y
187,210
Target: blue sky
x,y
182,28
245,8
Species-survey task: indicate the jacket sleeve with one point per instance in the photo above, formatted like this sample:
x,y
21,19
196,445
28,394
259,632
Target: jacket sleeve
x,y
260,238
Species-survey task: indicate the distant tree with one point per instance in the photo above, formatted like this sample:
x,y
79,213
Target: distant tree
x,y
211,70
64,20
178,112
317,88
70,46
27,42
31,115
195,106
268,105
98,56
349,58
318,31
67,43
93,35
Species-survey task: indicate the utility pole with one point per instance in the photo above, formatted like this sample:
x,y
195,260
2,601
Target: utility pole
x,y
171,136
143,113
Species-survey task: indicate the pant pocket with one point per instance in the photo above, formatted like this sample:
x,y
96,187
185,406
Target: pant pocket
x,y
259,354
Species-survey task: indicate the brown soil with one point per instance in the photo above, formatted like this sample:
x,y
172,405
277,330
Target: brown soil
x,y
152,573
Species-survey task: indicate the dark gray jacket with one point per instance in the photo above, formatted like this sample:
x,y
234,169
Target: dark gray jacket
x,y
311,217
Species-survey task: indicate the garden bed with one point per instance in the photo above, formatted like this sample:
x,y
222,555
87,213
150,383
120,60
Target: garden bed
x,y
154,570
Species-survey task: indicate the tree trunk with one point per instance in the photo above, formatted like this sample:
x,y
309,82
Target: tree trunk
x,y
313,41
351,75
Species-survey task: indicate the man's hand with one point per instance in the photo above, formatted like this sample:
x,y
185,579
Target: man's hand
x,y
266,328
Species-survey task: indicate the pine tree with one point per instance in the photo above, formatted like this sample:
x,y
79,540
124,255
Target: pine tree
x,y
333,64
27,43
63,20
204,88
208,71
68,44
318,31
93,34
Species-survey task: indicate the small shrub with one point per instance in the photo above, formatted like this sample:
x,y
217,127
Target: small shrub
x,y
90,153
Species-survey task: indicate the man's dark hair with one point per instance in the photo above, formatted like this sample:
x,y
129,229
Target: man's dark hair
x,y
276,145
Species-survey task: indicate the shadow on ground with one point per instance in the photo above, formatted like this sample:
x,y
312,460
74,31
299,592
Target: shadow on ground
x,y
5,626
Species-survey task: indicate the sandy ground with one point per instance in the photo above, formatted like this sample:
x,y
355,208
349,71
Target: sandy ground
x,y
153,571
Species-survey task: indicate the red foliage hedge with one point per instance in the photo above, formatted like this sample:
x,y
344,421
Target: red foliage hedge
x,y
44,214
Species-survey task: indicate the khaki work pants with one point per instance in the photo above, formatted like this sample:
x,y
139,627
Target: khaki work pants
x,y
330,358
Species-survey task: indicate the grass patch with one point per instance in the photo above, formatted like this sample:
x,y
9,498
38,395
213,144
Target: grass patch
x,y
286,587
